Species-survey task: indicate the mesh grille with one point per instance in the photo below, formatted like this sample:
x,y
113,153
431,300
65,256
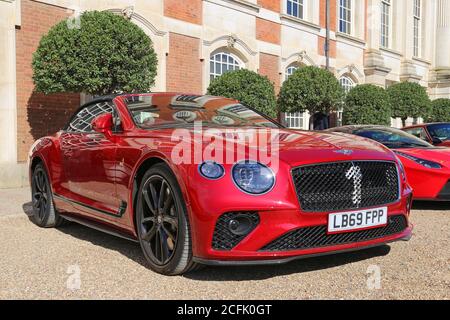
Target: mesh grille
x,y
346,185
314,237
223,238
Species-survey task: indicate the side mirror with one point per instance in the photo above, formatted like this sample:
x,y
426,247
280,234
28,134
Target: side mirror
x,y
103,123
436,141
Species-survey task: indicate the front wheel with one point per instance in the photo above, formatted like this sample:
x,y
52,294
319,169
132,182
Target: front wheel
x,y
44,213
162,223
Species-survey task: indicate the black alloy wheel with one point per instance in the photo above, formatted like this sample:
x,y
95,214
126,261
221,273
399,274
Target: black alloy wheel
x,y
40,194
162,223
159,224
44,212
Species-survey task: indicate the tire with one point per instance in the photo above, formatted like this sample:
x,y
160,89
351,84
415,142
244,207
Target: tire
x,y
44,212
163,224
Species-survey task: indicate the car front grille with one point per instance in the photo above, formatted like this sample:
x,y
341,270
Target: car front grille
x,y
346,185
223,238
315,237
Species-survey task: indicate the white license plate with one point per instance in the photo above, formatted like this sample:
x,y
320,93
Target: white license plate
x,y
356,220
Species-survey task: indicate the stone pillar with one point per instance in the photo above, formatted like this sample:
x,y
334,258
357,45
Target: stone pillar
x,y
440,77
443,35
374,66
11,174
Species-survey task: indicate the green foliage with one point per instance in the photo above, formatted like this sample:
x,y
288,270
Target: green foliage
x,y
312,89
367,104
409,100
249,88
440,110
105,54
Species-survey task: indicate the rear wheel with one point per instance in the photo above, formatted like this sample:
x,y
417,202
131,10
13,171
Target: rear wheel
x,y
44,213
162,223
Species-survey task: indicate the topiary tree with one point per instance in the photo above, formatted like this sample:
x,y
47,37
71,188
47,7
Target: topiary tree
x,y
367,104
409,99
310,89
440,110
249,88
106,53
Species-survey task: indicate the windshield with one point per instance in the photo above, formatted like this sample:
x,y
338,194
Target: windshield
x,y
156,111
440,131
393,138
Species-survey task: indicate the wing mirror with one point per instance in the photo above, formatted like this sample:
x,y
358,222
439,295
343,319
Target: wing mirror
x,y
436,141
103,124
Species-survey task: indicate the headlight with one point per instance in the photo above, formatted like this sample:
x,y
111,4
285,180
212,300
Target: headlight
x,y
253,177
426,163
211,170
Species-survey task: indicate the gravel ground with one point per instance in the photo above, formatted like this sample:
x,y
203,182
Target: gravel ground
x,y
43,263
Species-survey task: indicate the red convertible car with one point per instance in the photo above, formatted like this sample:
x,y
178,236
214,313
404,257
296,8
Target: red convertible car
x,y
151,168
427,167
437,134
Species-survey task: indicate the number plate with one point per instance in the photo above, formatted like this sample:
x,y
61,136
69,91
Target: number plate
x,y
356,220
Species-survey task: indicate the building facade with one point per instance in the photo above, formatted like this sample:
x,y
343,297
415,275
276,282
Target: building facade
x,y
372,41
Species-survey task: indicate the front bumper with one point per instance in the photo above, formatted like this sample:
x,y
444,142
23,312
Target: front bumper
x,y
274,224
405,236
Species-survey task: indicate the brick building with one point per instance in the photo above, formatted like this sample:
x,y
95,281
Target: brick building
x,y
372,41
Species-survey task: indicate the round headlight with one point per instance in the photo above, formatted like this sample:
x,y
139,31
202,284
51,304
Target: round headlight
x,y
253,177
211,170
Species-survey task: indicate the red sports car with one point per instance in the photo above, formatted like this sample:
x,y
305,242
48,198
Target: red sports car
x,y
427,167
184,176
437,134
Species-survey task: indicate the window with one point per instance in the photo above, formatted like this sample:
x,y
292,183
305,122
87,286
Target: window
x,y
345,16
82,121
385,22
290,70
221,63
418,132
417,18
294,120
184,111
295,8
346,83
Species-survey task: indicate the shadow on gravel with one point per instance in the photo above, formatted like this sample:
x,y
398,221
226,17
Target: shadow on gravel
x,y
298,266
431,205
28,208
133,251
129,249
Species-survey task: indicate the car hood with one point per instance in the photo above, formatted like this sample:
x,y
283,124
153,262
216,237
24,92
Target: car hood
x,y
294,147
436,154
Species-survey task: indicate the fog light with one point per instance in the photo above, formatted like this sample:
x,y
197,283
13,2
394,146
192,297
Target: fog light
x,y
240,225
211,170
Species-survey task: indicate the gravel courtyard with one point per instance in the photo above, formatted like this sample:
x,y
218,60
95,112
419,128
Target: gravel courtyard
x,y
75,262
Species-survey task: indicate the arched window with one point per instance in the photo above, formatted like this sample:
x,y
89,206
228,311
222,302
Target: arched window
x,y
222,62
346,83
295,120
290,70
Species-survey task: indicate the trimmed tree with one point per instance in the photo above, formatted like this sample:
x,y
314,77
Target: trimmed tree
x,y
409,99
367,104
103,53
311,89
249,88
440,110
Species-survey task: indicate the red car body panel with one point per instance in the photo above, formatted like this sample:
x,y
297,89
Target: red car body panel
x,y
427,183
97,174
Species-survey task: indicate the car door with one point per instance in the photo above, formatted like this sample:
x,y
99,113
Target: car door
x,y
89,160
